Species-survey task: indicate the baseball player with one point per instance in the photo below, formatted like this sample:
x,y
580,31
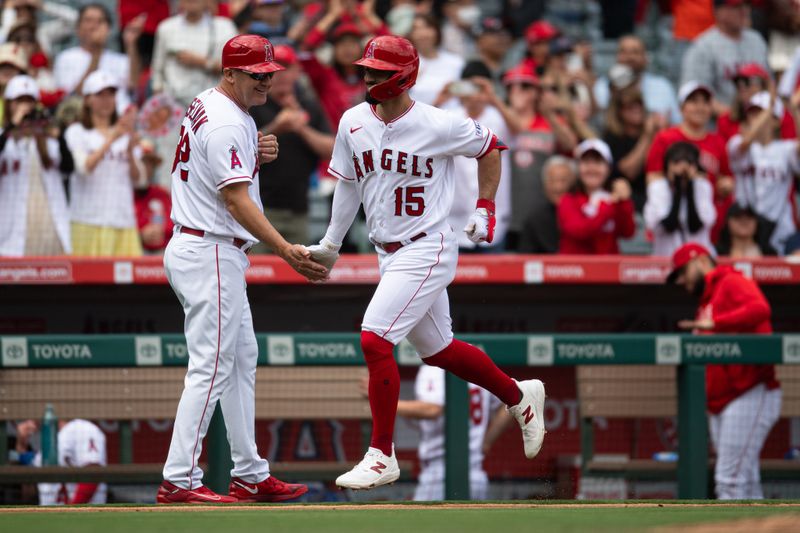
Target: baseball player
x,y
487,420
80,443
218,216
744,400
395,156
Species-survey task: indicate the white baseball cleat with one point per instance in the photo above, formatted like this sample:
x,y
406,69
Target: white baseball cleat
x,y
529,413
374,470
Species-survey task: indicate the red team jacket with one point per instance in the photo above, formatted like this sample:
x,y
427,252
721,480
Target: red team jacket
x,y
598,234
736,305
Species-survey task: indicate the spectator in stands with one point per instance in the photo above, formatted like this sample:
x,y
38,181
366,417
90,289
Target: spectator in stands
x,y
629,133
34,218
765,165
713,57
23,34
13,62
51,32
74,65
658,92
187,52
20,448
492,41
570,77
80,443
458,19
749,79
680,206
153,204
437,67
537,37
304,137
537,121
476,101
267,18
540,233
104,147
590,218
696,108
744,401
743,237
158,124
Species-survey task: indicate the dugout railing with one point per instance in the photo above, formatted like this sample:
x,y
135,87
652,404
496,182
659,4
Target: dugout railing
x,y
685,353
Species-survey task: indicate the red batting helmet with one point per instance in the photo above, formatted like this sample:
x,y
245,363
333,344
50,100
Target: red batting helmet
x,y
395,54
251,53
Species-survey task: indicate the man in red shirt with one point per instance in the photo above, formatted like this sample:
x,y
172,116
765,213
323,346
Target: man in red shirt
x,y
744,401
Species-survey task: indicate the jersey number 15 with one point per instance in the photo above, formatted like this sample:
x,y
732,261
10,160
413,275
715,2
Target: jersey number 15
x,y
409,200
182,153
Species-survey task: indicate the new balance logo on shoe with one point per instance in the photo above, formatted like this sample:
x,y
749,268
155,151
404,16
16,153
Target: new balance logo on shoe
x,y
528,413
379,467
251,490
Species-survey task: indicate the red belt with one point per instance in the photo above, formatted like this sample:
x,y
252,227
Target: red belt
x,y
391,247
237,242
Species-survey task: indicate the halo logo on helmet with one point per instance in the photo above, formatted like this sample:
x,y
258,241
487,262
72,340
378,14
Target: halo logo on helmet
x,y
393,54
251,53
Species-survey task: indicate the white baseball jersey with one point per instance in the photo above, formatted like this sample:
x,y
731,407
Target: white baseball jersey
x,y
80,443
429,387
103,196
403,169
765,181
218,146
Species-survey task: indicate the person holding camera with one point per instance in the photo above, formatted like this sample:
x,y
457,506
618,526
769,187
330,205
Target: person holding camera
x,y
680,206
34,218
107,159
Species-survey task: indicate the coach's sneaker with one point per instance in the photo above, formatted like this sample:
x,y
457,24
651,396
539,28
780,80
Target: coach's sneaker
x,y
529,413
269,490
169,493
374,470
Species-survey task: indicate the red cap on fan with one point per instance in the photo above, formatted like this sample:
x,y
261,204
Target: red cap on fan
x,y
682,256
251,53
285,55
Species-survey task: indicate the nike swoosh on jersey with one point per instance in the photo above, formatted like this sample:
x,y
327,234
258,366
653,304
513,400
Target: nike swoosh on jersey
x,y
253,490
353,130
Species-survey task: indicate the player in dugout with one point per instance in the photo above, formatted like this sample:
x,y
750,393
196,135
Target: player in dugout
x,y
744,401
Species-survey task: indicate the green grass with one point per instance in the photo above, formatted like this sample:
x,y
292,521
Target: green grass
x,y
582,519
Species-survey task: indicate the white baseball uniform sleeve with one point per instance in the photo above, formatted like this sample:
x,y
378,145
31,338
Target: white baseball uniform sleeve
x,y
403,169
218,147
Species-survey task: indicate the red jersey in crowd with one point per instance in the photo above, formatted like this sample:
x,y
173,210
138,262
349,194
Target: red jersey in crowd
x,y
153,206
593,227
736,305
727,127
713,159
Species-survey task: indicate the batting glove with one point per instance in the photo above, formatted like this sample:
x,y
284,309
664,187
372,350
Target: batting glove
x,y
480,227
325,253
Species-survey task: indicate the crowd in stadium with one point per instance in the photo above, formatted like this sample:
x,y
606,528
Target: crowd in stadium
x,y
634,126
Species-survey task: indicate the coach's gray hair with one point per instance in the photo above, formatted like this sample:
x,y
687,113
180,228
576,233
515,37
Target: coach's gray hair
x,y
558,160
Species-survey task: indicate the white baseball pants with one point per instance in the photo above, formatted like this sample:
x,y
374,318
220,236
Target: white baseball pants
x,y
430,483
411,298
738,434
208,278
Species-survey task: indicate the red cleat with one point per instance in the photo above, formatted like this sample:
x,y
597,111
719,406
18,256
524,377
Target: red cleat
x,y
169,493
269,490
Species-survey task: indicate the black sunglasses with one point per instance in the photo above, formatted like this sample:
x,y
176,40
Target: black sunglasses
x,y
259,76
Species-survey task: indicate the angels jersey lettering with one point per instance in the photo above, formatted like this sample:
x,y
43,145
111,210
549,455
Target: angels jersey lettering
x,y
217,147
403,169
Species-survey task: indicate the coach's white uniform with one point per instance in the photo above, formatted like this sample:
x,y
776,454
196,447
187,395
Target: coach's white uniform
x,y
765,181
80,443
218,147
404,175
429,387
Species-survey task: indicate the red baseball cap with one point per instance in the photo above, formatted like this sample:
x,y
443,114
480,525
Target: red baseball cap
x,y
346,28
541,30
682,256
285,55
520,74
251,53
751,70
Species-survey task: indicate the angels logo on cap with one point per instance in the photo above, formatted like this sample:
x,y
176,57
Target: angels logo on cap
x,y
268,53
370,50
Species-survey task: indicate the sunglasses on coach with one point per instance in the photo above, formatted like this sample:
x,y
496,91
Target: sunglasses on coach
x,y
259,76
